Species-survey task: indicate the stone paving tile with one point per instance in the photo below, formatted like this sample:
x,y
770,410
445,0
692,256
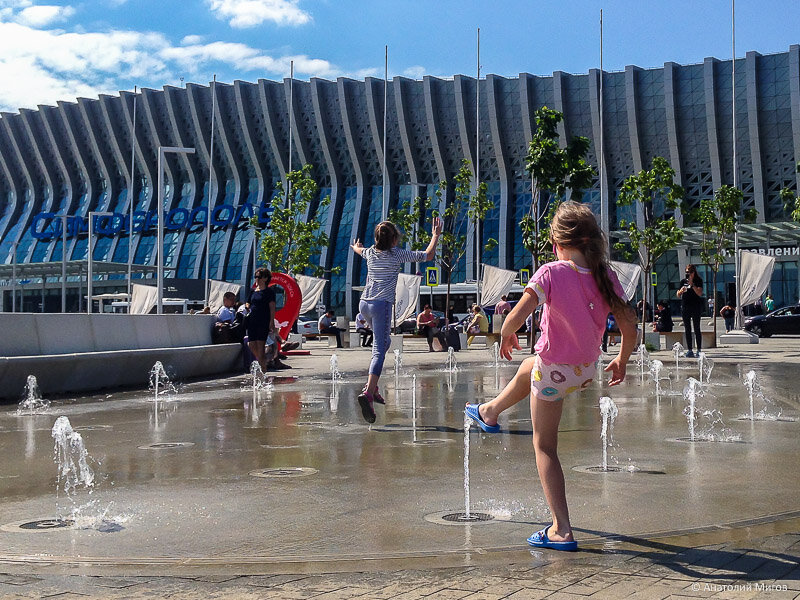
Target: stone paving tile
x,y
593,583
529,594
18,579
791,579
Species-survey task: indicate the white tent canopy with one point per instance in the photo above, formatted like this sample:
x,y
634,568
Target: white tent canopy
x,y
217,291
311,289
406,296
755,272
495,284
143,299
628,275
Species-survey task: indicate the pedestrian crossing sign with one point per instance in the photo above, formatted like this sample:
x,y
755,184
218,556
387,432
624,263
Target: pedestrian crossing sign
x,y
524,276
431,276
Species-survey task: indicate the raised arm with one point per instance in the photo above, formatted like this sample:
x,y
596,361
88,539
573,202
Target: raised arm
x,y
357,247
436,231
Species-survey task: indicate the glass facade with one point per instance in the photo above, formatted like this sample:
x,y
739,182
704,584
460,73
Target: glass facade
x,y
681,112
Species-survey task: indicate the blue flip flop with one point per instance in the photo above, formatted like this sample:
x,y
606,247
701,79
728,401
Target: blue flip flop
x,y
540,540
473,413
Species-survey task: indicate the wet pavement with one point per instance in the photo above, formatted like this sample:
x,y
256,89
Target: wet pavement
x,y
291,494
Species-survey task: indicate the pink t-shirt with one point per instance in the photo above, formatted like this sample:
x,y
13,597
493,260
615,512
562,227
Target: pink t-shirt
x,y
573,312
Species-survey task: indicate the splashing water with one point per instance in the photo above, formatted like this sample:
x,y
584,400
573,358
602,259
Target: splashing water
x,y
160,384
451,365
467,424
677,350
495,352
414,406
706,365
643,360
32,402
336,374
260,381
691,393
656,366
599,368
70,454
609,411
754,390
398,360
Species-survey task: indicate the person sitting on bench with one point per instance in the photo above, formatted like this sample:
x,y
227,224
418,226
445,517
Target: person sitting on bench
x,y
428,325
326,325
363,328
478,324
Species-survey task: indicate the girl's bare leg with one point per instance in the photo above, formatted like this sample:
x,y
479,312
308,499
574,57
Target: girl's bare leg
x,y
546,416
257,348
516,390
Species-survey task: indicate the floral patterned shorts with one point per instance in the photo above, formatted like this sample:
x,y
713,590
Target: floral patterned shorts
x,y
555,381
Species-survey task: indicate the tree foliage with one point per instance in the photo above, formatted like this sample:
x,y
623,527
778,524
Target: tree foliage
x,y
291,239
656,196
553,171
791,202
718,217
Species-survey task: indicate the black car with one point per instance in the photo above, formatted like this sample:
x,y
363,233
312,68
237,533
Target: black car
x,y
784,320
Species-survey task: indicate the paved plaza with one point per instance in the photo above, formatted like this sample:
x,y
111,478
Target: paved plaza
x,y
715,551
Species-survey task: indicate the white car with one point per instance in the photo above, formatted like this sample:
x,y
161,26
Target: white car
x,y
307,327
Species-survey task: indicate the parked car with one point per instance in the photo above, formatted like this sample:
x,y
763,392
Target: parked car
x,y
307,327
785,320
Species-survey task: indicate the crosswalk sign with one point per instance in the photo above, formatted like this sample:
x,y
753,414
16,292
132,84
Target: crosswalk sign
x,y
524,276
431,276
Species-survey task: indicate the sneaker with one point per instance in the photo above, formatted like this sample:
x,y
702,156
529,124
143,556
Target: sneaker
x,y
279,365
689,354
365,400
289,346
377,397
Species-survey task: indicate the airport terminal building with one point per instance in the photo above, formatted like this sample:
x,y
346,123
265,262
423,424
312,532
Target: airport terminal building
x,y
77,157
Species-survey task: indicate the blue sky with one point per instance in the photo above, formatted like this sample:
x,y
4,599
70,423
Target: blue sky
x,y
54,50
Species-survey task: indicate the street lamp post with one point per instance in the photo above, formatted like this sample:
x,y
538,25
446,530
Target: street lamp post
x,y
14,278
63,262
162,150
90,258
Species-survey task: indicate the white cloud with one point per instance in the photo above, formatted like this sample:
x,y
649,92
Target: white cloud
x,y
42,66
250,13
43,15
415,72
191,40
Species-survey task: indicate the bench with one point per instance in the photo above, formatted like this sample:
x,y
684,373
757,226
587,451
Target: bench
x,y
489,338
79,352
670,337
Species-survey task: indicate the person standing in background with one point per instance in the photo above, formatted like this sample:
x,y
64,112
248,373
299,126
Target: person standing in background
x,y
691,295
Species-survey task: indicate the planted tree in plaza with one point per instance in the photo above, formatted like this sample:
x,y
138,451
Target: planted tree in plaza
x,y
717,217
464,207
291,238
553,171
791,201
656,196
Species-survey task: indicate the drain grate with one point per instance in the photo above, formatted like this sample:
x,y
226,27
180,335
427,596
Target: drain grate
x,y
166,445
431,442
631,469
284,472
38,526
462,517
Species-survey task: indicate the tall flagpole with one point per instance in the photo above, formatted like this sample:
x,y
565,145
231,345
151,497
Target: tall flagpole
x,y
478,169
131,202
737,262
291,131
211,198
385,208
601,152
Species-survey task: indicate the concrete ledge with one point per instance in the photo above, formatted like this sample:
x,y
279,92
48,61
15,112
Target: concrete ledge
x,y
90,371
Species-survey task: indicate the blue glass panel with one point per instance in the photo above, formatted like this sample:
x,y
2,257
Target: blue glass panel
x,y
171,249
121,251
490,228
145,249
217,241
241,244
322,217
340,249
101,247
193,248
522,206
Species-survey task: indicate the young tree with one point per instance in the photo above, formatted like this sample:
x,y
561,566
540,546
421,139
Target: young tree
x,y
290,239
791,202
553,171
464,207
658,196
717,217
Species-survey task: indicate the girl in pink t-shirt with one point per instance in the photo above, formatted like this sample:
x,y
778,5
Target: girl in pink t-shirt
x,y
577,292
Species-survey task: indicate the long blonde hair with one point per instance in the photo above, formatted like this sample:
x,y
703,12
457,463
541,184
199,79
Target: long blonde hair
x,y
574,226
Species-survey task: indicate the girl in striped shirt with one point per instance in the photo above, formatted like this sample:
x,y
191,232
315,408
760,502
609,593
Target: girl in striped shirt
x,y
384,261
